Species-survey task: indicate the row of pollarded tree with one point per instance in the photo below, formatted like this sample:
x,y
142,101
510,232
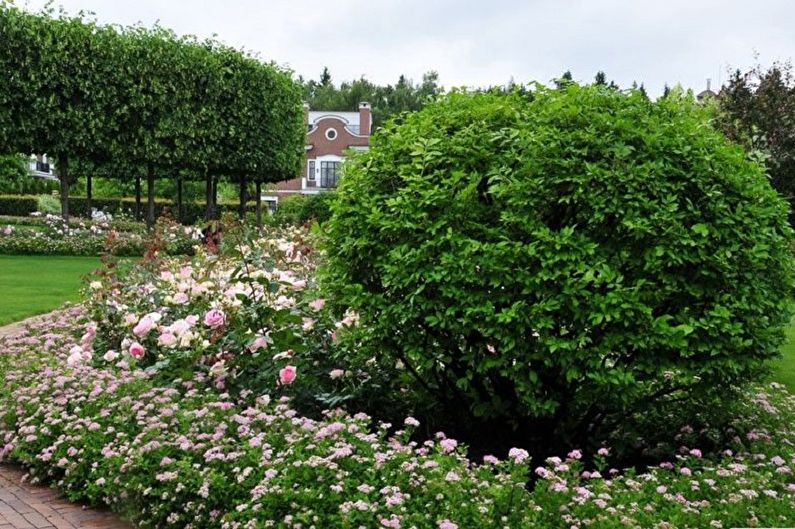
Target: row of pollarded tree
x,y
146,102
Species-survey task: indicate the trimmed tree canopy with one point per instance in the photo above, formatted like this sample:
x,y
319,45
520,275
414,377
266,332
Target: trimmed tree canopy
x,y
144,97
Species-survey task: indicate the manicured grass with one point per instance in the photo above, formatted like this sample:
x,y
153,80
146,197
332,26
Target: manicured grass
x,y
31,285
784,369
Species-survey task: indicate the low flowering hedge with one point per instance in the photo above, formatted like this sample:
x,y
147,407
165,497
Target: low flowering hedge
x,y
54,237
184,455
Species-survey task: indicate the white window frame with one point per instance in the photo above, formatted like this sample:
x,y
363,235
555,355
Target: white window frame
x,y
311,168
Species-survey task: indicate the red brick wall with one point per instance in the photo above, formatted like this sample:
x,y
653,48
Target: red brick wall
x,y
322,146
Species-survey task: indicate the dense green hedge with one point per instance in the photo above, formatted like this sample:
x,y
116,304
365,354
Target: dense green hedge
x,y
301,209
154,103
18,205
553,268
24,205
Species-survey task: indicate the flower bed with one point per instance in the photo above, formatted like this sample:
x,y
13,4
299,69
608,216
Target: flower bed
x,y
187,456
248,321
172,396
54,237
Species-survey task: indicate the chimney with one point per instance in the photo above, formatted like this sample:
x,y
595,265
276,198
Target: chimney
x,y
365,120
709,82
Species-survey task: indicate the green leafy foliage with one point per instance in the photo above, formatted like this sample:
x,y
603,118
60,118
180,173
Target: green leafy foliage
x,y
386,101
548,270
132,101
305,208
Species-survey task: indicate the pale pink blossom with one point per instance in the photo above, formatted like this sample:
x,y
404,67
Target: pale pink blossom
x,y
317,304
215,318
287,375
144,326
137,350
258,343
518,455
167,339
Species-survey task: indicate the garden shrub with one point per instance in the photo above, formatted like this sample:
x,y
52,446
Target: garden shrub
x,y
18,205
547,269
49,204
299,210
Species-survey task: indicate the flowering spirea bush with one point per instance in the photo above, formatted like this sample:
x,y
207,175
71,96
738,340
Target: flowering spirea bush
x,y
187,456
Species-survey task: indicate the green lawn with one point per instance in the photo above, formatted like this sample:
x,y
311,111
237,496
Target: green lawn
x,y
784,370
31,285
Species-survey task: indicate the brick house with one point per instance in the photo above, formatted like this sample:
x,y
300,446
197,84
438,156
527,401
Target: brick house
x,y
329,135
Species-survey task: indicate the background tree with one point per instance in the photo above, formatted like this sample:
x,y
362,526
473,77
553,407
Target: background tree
x,y
758,111
385,101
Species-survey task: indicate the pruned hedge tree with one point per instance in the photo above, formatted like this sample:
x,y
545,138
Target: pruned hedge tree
x,y
145,100
547,269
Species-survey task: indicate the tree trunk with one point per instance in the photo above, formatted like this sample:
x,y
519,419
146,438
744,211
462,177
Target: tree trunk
x,y
150,196
208,195
180,211
243,198
216,211
88,195
63,175
137,195
259,205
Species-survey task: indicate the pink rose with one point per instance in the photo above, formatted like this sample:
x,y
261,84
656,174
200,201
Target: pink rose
x,y
144,326
287,375
317,304
180,298
258,343
137,350
214,318
166,339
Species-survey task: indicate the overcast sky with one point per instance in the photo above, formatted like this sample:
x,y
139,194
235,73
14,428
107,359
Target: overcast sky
x,y
479,43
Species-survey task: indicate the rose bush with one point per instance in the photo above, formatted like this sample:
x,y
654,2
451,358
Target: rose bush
x,y
248,320
54,237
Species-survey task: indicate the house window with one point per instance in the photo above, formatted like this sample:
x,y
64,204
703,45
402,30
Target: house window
x,y
328,174
331,134
310,174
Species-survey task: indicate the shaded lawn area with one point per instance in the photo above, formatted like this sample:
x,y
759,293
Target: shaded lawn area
x,y
784,368
35,284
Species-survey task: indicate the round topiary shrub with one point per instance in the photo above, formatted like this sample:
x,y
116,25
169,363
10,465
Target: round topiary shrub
x,y
551,266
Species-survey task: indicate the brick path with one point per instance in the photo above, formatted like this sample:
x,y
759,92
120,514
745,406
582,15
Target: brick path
x,y
25,506
14,329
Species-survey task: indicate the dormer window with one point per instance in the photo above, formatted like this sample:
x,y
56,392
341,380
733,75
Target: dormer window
x,y
331,134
